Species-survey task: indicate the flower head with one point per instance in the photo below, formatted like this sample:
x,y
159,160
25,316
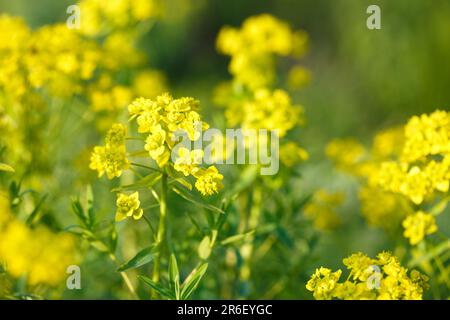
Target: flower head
x,y
128,206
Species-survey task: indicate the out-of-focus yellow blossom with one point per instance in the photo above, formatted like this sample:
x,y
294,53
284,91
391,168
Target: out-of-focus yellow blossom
x,y
322,209
112,157
150,83
209,181
39,254
250,100
418,225
382,278
298,77
388,143
291,154
345,153
253,48
99,17
128,206
381,208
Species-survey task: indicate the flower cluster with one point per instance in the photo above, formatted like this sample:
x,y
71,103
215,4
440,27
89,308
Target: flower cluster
x,y
382,278
161,120
250,99
112,157
253,46
100,17
39,253
407,167
128,206
423,167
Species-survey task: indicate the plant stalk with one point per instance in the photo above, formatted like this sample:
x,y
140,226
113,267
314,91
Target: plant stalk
x,y
161,233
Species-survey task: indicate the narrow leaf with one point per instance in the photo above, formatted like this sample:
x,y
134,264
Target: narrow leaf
x,y
33,217
191,199
161,290
141,258
174,276
146,182
237,237
192,281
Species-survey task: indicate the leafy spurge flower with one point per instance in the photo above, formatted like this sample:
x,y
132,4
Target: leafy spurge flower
x,y
111,158
209,181
382,278
323,282
128,206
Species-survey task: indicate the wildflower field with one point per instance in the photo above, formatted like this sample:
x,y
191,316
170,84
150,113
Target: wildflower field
x,y
207,149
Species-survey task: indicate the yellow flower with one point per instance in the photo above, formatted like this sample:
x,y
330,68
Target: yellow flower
x,y
323,282
147,120
254,46
427,135
298,77
128,206
111,158
155,145
291,154
272,111
40,254
381,208
187,161
345,153
358,264
209,181
418,225
382,278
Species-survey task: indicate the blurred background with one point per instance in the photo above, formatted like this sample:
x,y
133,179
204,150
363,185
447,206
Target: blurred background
x,y
362,81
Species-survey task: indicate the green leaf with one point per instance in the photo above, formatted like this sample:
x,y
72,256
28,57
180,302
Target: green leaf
x,y
141,258
183,182
90,206
77,208
192,281
33,217
184,194
160,289
204,248
5,167
174,276
146,182
237,237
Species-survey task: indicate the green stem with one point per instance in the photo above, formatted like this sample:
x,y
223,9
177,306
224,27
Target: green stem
x,y
125,278
253,221
160,236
